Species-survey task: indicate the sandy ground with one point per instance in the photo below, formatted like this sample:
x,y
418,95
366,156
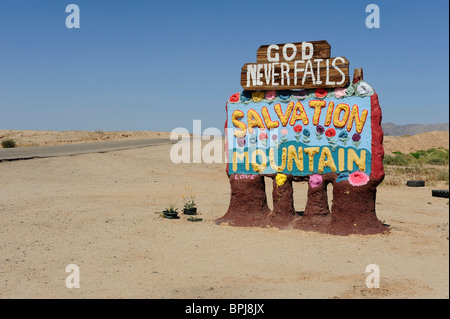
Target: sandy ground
x,y
98,211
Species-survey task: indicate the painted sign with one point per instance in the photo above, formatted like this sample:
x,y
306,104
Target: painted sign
x,y
299,132
295,66
300,119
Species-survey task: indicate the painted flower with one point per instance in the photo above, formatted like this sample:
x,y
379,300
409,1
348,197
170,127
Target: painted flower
x,y
284,133
257,96
343,176
363,88
298,128
339,92
252,140
350,90
241,141
319,131
343,134
305,137
321,93
315,180
263,136
234,98
246,96
270,95
330,132
356,137
358,178
284,95
343,137
299,95
275,140
306,133
331,137
280,179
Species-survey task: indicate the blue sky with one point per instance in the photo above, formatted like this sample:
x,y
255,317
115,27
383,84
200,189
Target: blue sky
x,y
158,65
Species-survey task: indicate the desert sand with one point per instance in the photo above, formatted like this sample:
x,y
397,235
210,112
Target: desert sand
x,y
413,143
100,212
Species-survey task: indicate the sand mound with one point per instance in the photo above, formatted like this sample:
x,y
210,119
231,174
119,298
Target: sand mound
x,y
26,138
422,141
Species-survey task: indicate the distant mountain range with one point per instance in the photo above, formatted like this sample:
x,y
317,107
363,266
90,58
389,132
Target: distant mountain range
x,y
412,129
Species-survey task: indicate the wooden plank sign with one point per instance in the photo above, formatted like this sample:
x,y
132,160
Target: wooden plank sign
x,y
290,66
293,51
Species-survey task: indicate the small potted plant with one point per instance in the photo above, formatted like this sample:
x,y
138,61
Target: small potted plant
x,y
190,207
171,212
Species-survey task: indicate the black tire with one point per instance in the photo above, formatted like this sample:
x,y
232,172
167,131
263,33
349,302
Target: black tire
x,y
415,183
439,193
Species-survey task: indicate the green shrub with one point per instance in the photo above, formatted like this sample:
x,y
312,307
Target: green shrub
x,y
437,156
399,159
418,154
437,161
431,156
8,143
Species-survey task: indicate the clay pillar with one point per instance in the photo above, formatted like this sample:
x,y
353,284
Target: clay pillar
x,y
353,209
248,202
283,203
317,203
317,212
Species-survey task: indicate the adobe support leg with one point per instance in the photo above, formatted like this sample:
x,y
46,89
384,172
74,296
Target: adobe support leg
x,y
353,209
248,201
283,203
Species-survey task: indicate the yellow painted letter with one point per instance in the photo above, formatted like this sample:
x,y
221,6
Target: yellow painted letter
x,y
360,161
311,151
272,160
234,119
294,156
317,105
326,160
259,168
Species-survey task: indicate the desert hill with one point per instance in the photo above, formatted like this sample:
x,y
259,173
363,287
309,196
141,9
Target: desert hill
x,y
412,129
422,141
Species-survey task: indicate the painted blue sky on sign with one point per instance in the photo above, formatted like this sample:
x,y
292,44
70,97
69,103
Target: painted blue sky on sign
x,y
314,139
279,139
